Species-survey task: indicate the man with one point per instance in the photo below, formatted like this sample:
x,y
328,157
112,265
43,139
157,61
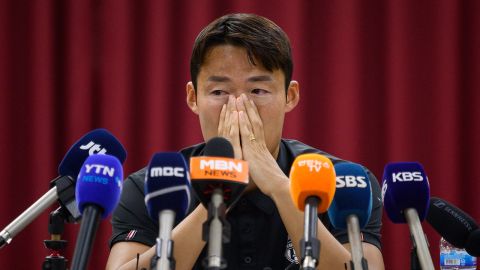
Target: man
x,y
241,88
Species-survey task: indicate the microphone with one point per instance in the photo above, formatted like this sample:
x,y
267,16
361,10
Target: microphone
x,y
450,222
167,196
472,246
312,187
351,207
218,181
406,194
98,141
97,191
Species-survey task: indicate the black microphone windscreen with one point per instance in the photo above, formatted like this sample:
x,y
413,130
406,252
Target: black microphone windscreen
x,y
218,147
473,243
450,222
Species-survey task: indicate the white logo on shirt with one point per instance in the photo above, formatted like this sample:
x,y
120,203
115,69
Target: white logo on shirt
x,y
290,252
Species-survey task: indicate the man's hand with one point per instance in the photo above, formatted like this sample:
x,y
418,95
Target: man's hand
x,y
228,126
263,167
240,121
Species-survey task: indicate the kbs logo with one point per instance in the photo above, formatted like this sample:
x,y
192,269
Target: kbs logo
x,y
167,171
93,148
407,177
351,181
100,169
314,164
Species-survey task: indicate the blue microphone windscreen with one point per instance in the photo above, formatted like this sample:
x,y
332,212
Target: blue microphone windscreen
x,y
353,195
167,185
405,185
98,141
99,183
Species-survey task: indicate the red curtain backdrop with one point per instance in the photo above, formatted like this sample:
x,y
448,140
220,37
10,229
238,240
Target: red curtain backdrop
x,y
381,81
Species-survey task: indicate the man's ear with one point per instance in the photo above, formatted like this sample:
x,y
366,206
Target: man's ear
x,y
191,97
293,96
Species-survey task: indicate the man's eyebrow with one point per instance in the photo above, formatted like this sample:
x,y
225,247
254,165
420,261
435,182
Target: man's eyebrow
x,y
260,78
215,78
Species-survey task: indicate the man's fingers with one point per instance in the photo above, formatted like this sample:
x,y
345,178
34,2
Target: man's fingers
x,y
253,115
221,122
246,131
228,116
235,135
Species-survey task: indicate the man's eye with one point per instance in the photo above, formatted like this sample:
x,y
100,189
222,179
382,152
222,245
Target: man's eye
x,y
218,92
259,92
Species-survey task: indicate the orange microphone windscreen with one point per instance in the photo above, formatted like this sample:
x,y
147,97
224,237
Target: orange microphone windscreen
x,y
312,175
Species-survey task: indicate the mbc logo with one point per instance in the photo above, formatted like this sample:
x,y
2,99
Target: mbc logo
x,y
167,171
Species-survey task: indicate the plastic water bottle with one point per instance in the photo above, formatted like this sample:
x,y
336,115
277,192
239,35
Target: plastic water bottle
x,y
452,258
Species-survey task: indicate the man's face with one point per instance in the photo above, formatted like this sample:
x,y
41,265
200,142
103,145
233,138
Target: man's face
x,y
227,71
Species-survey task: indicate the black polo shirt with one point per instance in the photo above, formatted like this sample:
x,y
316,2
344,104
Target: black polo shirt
x,y
259,239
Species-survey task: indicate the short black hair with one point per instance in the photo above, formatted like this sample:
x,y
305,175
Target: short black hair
x,y
263,40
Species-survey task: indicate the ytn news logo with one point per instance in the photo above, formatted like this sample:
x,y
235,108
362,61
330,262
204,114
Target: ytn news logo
x,y
100,169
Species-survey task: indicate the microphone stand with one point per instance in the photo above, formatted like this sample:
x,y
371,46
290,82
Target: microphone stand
x,y
358,262
414,261
88,229
419,240
62,189
310,245
55,261
163,259
217,231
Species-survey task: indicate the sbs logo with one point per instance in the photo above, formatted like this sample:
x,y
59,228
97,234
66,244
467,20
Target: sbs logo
x,y
350,181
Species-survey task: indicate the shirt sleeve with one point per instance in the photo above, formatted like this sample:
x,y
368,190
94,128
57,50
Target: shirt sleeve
x,y
371,232
130,220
